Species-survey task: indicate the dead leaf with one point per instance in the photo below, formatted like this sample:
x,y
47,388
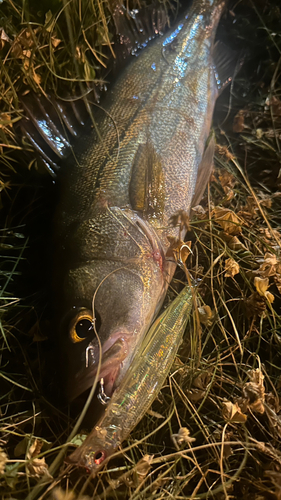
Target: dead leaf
x,y
27,53
224,151
232,242
199,211
3,460
277,281
242,403
16,50
266,202
60,494
26,64
228,220
229,195
268,235
143,466
227,180
195,395
239,122
259,133
202,380
22,42
262,285
206,315
262,199
233,413
256,376
37,78
55,42
37,467
251,209
182,437
255,305
5,120
35,448
254,390
4,38
154,414
257,406
135,476
275,105
178,249
269,266
231,268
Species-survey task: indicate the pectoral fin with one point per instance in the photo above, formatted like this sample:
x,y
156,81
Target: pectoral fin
x,y
147,186
204,172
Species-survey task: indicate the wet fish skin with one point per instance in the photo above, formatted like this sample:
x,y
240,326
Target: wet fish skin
x,y
139,387
120,191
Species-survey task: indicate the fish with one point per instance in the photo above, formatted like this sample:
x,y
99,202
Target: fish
x,y
139,387
145,160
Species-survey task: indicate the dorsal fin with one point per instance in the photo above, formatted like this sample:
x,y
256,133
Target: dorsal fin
x,y
135,28
52,123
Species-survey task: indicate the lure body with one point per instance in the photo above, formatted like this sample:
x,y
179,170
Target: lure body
x,y
140,385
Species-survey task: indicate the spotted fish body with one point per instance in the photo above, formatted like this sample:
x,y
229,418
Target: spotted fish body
x,y
135,170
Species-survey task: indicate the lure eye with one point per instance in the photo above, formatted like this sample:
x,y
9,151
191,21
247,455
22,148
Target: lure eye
x,y
81,326
99,457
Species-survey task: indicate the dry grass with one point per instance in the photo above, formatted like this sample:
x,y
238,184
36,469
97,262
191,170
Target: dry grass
x,y
225,383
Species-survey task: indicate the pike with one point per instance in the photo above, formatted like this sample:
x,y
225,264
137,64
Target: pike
x,y
145,160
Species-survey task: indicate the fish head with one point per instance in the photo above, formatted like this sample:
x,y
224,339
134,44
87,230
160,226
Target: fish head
x,y
108,306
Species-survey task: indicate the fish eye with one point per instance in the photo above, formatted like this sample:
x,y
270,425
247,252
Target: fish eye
x,y
81,326
99,457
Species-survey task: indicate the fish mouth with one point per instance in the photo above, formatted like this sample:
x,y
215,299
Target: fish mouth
x,y
114,352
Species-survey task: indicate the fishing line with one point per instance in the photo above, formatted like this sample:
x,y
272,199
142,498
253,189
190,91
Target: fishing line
x,y
122,225
115,126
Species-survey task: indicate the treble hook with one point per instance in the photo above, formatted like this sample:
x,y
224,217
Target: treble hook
x,y
102,397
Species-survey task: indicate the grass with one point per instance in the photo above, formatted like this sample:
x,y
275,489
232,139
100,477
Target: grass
x,y
224,387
